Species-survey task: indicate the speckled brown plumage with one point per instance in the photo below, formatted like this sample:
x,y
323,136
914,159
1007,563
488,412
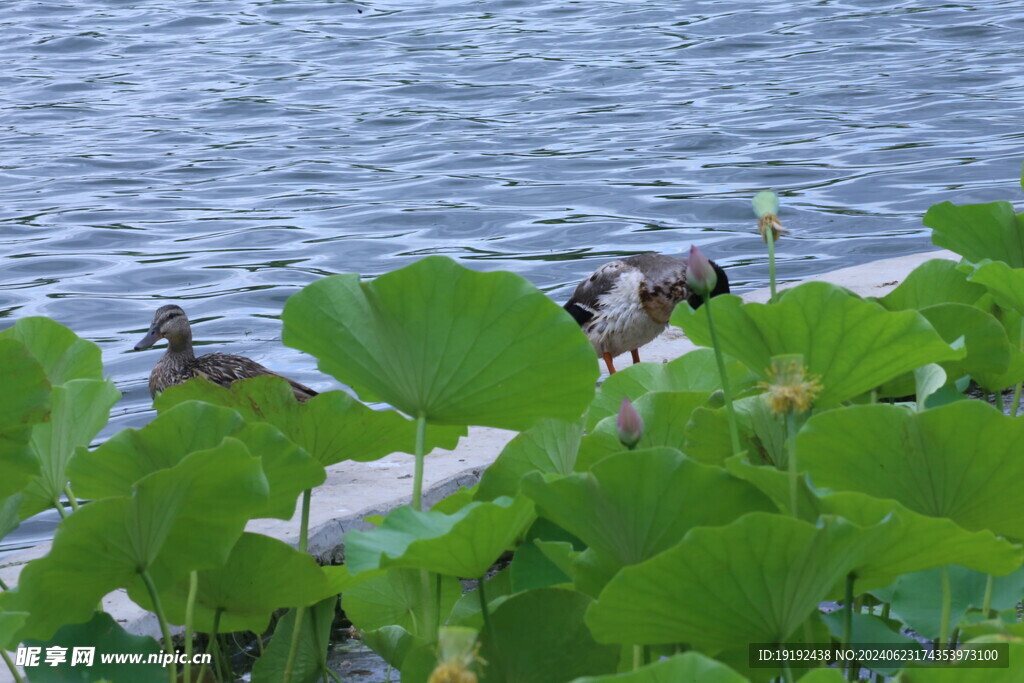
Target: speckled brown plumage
x,y
626,303
180,363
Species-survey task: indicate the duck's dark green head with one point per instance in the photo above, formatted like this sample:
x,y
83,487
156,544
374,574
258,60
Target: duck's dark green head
x,y
170,323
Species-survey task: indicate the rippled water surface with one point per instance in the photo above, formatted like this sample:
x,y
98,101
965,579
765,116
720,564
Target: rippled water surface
x,y
221,155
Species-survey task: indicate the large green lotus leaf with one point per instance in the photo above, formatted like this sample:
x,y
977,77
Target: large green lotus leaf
x,y
913,542
1011,322
958,461
467,610
696,371
180,519
539,637
544,558
261,575
850,345
964,674
753,581
1003,282
10,624
395,596
131,454
79,410
331,427
866,628
988,348
691,667
762,434
438,340
665,415
917,597
311,655
128,456
413,656
288,468
635,504
774,483
463,544
548,446
978,231
939,281
823,676
63,355
9,519
984,340
26,396
107,637
24,403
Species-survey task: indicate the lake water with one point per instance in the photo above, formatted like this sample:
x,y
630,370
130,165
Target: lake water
x,y
221,154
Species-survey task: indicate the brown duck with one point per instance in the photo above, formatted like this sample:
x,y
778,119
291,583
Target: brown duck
x,y
180,363
626,303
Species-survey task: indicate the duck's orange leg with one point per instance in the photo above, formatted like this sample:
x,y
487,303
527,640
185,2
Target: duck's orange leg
x,y
608,361
636,355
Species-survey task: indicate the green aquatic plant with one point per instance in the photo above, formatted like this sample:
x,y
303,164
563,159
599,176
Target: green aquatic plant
x,y
80,402
766,208
701,278
851,345
446,345
638,554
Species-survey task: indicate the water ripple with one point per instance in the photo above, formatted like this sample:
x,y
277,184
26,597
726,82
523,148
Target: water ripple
x,y
222,154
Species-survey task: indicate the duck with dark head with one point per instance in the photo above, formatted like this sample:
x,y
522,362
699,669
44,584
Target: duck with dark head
x,y
180,362
626,303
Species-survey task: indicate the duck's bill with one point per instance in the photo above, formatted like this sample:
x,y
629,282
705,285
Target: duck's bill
x,y
151,338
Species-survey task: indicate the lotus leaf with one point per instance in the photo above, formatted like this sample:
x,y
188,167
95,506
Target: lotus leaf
x,y
849,345
447,343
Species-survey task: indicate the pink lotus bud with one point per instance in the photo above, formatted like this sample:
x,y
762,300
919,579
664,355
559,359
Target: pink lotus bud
x,y
630,424
700,276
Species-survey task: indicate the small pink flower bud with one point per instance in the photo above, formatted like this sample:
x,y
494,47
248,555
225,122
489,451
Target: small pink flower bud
x,y
700,276
630,424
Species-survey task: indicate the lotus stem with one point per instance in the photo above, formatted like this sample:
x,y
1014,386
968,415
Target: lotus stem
x,y
190,611
787,672
986,607
769,237
3,586
848,622
299,611
316,639
730,412
638,656
417,482
293,648
489,629
154,596
10,665
304,521
212,644
947,599
60,508
72,499
791,467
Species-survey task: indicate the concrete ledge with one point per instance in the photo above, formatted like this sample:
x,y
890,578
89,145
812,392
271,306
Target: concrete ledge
x,y
355,490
